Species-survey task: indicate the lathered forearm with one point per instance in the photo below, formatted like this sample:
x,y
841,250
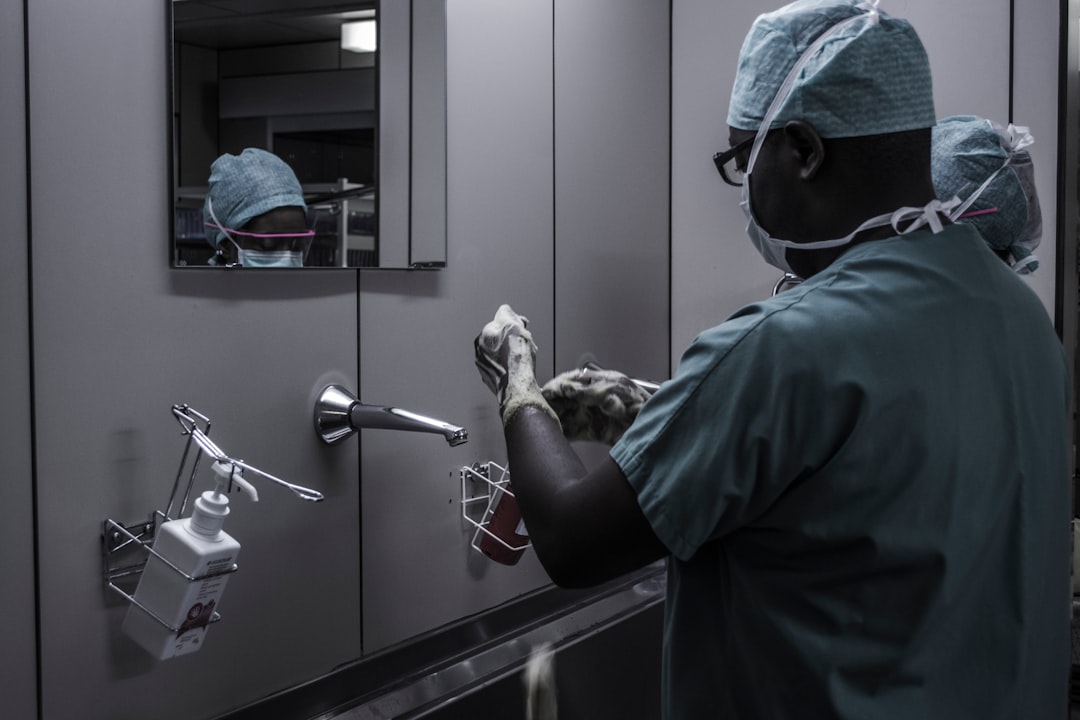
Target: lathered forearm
x,y
545,472
521,389
586,525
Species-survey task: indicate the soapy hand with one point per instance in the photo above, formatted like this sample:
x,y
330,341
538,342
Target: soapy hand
x,y
506,359
492,347
596,405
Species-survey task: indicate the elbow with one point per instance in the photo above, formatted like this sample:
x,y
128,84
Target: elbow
x,y
567,575
582,559
567,564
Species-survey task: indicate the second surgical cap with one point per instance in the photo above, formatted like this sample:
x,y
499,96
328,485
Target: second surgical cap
x,y
247,185
972,156
868,78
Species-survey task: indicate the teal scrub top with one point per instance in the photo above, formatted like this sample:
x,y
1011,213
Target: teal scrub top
x,y
863,484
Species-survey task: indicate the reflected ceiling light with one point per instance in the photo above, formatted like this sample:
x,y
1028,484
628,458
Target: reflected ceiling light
x,y
358,36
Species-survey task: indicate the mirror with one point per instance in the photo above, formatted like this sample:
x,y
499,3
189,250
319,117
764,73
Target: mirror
x,y
350,119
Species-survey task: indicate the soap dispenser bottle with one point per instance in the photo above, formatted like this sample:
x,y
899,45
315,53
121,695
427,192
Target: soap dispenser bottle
x,y
199,548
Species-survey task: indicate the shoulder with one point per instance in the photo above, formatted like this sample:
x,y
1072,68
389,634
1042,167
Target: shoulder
x,y
777,326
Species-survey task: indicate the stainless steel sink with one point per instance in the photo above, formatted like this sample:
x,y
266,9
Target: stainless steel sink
x,y
607,665
607,643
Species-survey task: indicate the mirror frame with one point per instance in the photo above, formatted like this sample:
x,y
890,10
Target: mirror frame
x,y
410,138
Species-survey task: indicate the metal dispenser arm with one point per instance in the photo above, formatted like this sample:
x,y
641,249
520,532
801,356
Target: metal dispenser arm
x,y
118,540
209,447
646,385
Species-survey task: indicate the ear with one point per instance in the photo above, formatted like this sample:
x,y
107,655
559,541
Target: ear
x,y
808,147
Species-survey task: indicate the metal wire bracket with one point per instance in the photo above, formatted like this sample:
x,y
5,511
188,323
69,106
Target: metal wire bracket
x,y
127,548
116,538
478,489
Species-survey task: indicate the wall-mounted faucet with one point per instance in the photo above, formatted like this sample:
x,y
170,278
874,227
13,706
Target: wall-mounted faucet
x,y
338,414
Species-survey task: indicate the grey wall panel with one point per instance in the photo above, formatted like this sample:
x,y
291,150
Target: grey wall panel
x,y
18,652
119,337
1068,224
1035,104
968,46
611,184
395,36
428,151
549,212
416,329
715,270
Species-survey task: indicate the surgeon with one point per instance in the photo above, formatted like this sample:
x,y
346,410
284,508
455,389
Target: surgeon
x,y
254,213
861,483
989,167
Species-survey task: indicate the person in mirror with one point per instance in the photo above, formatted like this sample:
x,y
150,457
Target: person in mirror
x,y
254,213
860,484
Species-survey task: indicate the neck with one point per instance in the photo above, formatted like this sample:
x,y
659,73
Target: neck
x,y
807,263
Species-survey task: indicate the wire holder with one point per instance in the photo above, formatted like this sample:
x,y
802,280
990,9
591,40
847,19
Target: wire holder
x,y
126,549
117,537
482,486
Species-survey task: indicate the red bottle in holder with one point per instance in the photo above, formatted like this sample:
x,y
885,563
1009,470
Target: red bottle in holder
x,y
506,524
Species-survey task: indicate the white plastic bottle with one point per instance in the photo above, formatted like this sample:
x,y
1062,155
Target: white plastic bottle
x,y
200,548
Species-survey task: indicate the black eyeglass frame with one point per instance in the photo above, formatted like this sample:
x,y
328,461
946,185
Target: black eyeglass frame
x,y
721,159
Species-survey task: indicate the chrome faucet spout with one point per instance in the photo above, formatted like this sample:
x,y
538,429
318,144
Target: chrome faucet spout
x,y
338,414
392,418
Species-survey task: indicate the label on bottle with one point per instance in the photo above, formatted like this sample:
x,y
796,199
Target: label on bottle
x,y
198,595
189,642
200,606
180,603
200,600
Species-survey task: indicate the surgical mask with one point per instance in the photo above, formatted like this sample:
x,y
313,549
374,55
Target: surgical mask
x,y
269,258
1015,139
772,248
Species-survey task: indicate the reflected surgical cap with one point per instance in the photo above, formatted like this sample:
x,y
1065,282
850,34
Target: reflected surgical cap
x,y
247,185
869,78
965,152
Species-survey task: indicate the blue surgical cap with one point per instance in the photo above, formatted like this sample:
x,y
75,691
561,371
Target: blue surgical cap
x,y
247,185
869,78
965,152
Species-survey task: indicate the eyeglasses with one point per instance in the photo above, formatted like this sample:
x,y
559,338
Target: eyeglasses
x,y
292,240
727,162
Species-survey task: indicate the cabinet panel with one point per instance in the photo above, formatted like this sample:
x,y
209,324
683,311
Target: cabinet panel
x,y
546,206
118,338
416,328
18,652
612,151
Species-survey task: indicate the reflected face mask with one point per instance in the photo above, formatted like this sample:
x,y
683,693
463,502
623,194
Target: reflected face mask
x,y
269,258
